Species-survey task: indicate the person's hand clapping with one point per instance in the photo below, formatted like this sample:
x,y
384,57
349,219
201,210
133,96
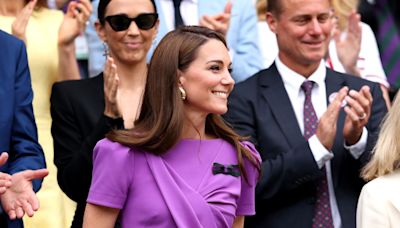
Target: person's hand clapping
x,y
326,130
20,198
111,81
18,27
74,22
348,46
5,178
219,22
358,112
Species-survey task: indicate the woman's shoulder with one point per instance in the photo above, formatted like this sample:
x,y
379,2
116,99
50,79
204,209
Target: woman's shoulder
x,y
79,89
112,151
252,149
384,186
249,146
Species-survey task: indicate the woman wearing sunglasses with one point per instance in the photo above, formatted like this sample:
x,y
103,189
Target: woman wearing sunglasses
x,y
181,165
83,111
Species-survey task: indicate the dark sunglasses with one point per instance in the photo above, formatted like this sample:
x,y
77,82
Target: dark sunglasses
x,y
122,22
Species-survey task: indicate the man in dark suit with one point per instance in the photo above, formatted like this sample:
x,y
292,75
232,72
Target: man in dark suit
x,y
18,135
312,147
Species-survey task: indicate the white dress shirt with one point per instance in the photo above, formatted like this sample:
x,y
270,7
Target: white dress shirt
x,y
292,82
189,12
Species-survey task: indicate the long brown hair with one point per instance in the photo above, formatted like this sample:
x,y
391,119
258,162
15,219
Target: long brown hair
x,y
160,123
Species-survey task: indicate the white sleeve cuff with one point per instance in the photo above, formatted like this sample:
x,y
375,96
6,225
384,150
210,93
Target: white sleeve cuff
x,y
358,149
320,153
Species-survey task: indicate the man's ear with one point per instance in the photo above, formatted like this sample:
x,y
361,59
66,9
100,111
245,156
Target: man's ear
x,y
272,21
100,31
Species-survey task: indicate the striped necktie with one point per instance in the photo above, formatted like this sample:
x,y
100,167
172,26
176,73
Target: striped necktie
x,y
388,38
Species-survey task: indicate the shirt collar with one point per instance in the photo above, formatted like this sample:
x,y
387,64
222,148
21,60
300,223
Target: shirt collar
x,y
294,80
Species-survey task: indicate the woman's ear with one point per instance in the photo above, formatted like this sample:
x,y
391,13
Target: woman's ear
x,y
156,29
181,78
100,31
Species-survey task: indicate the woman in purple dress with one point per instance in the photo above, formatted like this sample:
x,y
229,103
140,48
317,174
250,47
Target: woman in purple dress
x,y
181,165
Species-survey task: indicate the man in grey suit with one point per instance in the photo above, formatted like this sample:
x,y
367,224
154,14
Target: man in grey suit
x,y
314,127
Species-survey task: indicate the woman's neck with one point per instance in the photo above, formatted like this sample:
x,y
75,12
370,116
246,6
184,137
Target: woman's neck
x,y
132,76
194,126
11,8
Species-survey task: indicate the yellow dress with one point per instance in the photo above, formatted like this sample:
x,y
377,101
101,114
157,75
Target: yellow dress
x,y
56,209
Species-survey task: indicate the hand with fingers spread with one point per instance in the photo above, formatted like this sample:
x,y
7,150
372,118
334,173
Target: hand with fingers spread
x,y
74,21
5,179
358,112
348,47
219,22
18,27
20,199
326,130
111,81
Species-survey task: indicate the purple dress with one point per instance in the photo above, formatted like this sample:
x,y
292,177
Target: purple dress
x,y
177,189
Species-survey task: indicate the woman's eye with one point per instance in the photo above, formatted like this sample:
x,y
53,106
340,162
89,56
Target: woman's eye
x,y
230,70
215,68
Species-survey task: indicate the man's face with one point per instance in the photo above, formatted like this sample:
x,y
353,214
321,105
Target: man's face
x,y
303,31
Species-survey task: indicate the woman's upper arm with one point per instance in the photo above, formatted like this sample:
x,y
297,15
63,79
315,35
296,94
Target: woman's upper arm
x,y
99,216
239,222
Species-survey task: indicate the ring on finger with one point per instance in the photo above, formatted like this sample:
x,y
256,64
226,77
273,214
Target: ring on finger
x,y
362,116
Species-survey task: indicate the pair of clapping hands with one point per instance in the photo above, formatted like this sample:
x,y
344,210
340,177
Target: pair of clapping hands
x,y
16,191
357,109
73,24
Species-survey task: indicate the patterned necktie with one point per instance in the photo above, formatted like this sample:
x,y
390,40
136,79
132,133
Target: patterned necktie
x,y
322,211
388,39
178,16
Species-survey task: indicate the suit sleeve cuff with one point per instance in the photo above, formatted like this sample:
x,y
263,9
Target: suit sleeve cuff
x,y
358,149
320,153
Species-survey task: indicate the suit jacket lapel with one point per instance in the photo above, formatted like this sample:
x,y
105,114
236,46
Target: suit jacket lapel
x,y
275,94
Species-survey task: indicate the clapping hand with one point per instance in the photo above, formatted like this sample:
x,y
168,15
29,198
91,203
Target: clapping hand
x,y
326,130
5,179
358,112
74,22
111,81
18,27
219,22
348,46
19,198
